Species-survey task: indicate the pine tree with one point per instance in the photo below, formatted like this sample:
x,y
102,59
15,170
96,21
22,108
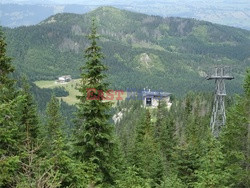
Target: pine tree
x,y
57,152
247,84
211,172
46,163
54,123
7,85
161,117
28,130
5,68
29,118
94,135
165,133
146,155
10,105
185,163
9,145
235,139
186,155
247,115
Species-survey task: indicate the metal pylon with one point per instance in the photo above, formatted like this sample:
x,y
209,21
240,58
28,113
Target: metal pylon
x,y
218,118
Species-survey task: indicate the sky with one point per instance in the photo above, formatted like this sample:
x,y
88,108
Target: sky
x,y
128,2
110,1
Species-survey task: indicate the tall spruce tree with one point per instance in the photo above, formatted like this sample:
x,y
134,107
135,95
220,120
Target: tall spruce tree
x,y
146,155
54,123
28,130
211,172
57,152
9,141
10,105
165,133
5,69
235,139
94,135
29,117
247,115
186,155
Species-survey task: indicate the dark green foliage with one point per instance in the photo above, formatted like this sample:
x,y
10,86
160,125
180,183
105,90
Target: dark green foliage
x,y
235,139
182,141
54,123
94,134
131,179
10,112
211,172
5,65
70,173
28,142
9,137
29,118
60,92
126,126
165,133
146,155
247,85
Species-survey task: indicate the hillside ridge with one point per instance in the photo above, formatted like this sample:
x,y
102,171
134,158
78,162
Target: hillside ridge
x,y
113,10
179,49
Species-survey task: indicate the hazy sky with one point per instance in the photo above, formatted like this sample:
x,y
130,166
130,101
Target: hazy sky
x,y
116,1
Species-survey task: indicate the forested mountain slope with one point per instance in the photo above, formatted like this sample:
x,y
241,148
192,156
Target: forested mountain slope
x,y
170,54
147,147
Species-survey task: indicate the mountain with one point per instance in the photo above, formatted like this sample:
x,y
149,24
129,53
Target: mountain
x,y
170,54
235,13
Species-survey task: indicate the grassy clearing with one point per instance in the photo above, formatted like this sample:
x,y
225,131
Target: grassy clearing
x,y
68,86
71,88
73,92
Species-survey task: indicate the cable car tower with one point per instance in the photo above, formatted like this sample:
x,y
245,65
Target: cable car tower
x,y
218,118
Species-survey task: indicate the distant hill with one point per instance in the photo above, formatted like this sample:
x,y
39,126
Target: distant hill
x,y
235,13
171,54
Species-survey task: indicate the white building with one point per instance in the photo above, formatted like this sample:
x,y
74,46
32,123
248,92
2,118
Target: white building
x,y
63,79
152,98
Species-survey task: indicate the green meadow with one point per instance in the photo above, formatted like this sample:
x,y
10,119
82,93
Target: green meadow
x,y
71,87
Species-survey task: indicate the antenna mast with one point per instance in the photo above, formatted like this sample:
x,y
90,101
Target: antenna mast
x,y
218,118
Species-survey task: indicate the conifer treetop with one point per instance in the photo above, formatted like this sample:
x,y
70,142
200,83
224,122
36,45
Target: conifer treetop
x,y
5,62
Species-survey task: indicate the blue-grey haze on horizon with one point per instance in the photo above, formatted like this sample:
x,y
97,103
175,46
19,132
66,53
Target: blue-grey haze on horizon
x,y
235,13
